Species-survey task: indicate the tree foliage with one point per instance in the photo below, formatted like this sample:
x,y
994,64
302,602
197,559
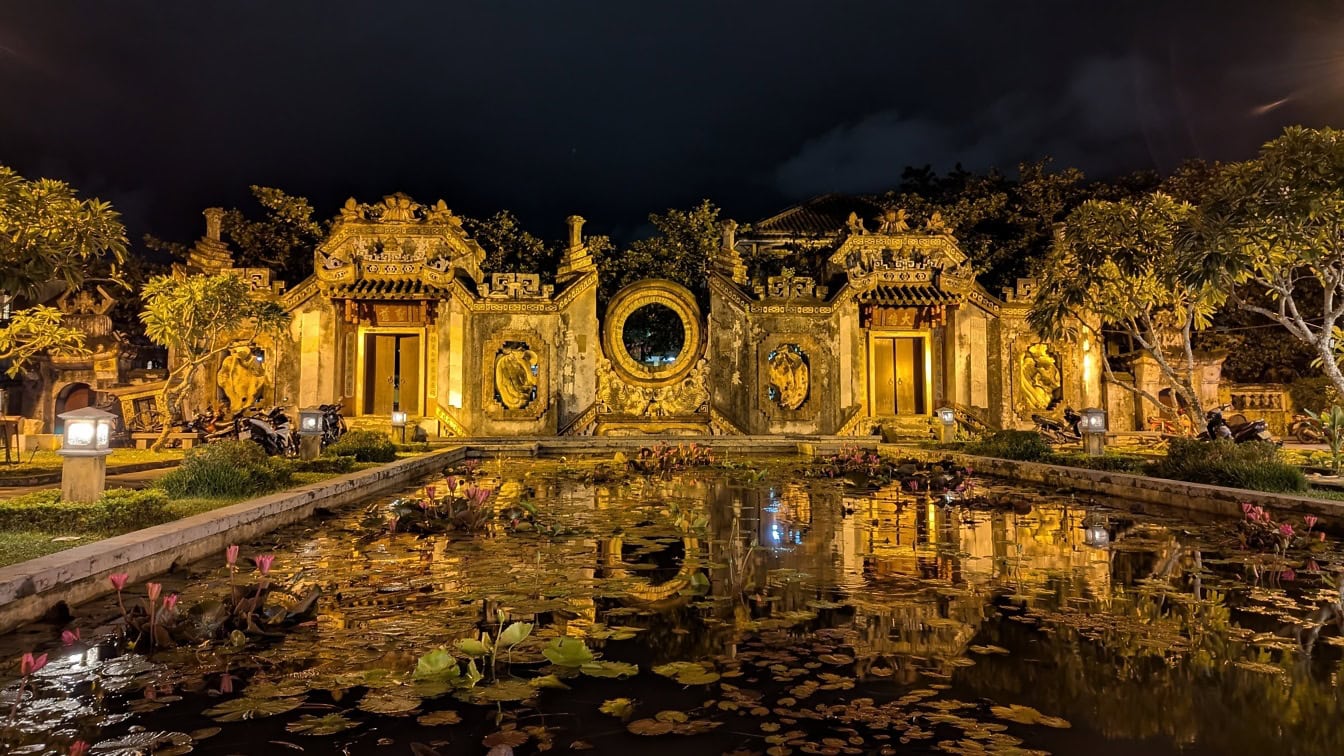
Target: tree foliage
x,y
510,248
1275,226
198,318
681,251
47,233
35,330
1120,262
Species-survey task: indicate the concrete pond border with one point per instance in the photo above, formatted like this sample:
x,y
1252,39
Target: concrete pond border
x,y
1176,494
30,590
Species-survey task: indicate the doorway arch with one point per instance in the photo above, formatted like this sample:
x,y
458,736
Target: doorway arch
x,y
72,396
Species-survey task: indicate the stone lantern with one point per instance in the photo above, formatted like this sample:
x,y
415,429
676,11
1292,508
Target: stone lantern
x,y
1093,428
399,421
310,433
947,425
85,446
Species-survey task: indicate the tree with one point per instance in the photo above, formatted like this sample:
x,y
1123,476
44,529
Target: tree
x,y
510,248
198,318
50,240
681,252
34,330
1121,263
282,239
1275,225
48,234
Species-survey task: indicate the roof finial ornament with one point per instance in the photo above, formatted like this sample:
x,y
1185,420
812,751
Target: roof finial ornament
x,y
893,222
855,224
936,224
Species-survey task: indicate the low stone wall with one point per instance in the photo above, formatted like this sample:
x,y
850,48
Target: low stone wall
x,y
28,590
1176,494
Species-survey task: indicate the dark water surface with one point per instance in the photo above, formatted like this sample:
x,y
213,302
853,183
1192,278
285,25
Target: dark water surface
x,y
824,621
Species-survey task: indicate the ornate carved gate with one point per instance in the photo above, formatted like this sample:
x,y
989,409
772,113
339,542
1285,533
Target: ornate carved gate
x,y
652,395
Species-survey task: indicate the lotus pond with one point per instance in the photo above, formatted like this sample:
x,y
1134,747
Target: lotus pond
x,y
772,606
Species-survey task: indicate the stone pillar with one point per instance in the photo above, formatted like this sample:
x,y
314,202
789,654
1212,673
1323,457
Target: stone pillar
x,y
728,261
577,260
83,477
214,216
310,447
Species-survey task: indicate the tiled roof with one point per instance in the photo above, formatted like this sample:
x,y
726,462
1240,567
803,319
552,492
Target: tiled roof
x,y
907,295
398,289
819,216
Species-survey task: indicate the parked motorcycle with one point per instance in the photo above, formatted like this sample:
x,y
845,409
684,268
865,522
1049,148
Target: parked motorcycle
x,y
333,424
1057,432
1234,427
1307,430
271,430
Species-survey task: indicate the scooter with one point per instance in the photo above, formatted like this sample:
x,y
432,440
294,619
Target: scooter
x,y
1306,429
1234,427
270,430
333,424
1057,432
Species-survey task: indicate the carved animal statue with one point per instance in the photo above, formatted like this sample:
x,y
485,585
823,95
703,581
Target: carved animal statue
x,y
1038,378
515,377
789,377
242,377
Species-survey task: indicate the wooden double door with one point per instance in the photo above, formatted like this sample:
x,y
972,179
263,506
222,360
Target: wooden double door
x,y
391,373
899,375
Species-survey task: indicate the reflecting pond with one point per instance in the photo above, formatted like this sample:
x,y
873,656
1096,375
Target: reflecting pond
x,y
747,609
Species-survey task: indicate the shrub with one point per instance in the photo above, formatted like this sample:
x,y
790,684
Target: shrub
x,y
1024,446
325,464
118,511
1313,393
1256,465
1126,463
364,446
226,468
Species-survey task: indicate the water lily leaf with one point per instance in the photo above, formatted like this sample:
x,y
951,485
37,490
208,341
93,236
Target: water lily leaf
x,y
324,725
649,727
510,738
567,652
609,669
445,717
439,664
548,681
621,708
138,743
473,648
515,633
391,703
506,690
671,715
239,709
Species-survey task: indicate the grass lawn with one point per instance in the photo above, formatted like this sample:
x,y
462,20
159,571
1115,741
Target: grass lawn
x,y
37,462
19,545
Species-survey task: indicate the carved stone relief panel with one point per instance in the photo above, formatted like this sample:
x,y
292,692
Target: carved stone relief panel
x,y
787,365
516,381
1039,379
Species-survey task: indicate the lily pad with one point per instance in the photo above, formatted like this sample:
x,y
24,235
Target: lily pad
x,y
329,724
239,709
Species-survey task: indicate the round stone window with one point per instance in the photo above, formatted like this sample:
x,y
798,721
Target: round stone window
x,y
653,335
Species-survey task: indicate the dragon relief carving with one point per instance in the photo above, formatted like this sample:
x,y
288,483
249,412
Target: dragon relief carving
x,y
790,376
684,397
1039,378
516,369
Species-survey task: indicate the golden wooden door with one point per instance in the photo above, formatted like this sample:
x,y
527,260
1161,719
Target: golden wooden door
x,y
898,376
391,373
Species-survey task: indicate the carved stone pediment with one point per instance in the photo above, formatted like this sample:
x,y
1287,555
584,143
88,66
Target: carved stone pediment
x,y
397,239
517,286
792,287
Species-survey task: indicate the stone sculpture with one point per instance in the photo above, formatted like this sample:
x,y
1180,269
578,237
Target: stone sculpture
x,y
242,377
790,376
516,368
1038,378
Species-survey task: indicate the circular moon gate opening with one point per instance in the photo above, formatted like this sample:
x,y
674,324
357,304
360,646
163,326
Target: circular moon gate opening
x,y
653,335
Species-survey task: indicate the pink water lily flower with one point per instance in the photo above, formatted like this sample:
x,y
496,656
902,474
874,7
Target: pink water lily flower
x,y
154,590
429,491
1286,530
453,482
69,637
29,664
119,580
1245,507
264,563
169,602
231,555
1311,521
226,683
79,748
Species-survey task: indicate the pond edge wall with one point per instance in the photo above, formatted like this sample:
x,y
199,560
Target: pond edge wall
x,y
31,589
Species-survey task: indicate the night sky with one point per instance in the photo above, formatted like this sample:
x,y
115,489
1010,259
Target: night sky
x,y
615,109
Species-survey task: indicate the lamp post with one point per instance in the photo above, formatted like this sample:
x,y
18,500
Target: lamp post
x,y
310,433
1093,428
85,444
399,421
947,425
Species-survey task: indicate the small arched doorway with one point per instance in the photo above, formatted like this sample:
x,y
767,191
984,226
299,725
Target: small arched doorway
x,y
74,396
